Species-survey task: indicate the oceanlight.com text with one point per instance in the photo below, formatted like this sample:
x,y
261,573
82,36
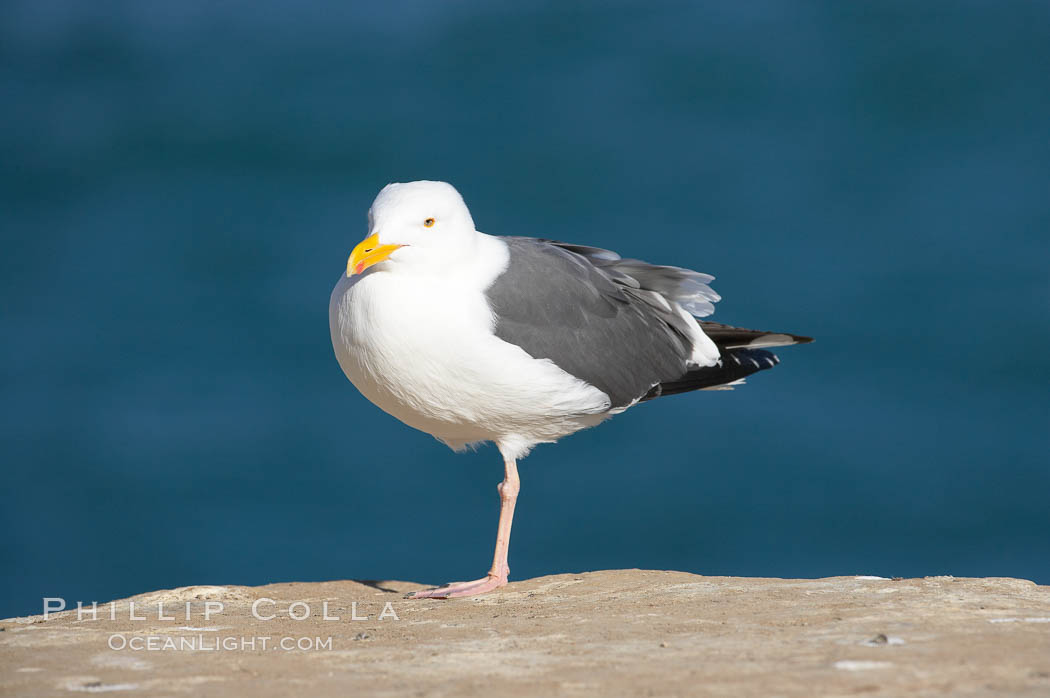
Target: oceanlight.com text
x,y
213,643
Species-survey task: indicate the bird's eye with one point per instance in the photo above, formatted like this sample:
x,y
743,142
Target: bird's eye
x,y
429,223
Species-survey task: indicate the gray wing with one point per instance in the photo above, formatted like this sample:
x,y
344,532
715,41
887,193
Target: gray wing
x,y
686,287
603,319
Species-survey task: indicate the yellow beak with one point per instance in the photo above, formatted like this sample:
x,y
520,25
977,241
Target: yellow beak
x,y
367,253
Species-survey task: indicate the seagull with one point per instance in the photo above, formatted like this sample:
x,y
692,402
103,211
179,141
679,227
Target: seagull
x,y
518,341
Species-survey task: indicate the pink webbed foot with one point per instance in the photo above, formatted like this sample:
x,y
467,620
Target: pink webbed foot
x,y
448,591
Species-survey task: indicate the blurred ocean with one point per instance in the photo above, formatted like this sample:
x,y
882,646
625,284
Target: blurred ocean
x,y
181,184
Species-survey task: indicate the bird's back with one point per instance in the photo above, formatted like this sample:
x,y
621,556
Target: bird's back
x,y
624,325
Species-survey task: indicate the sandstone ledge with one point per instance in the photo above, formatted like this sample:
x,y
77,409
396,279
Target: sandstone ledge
x,y
601,633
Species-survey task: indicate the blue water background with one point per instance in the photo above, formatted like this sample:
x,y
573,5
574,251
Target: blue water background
x,y
181,184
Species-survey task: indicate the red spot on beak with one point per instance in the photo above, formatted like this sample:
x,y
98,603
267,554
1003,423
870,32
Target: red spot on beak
x,y
359,268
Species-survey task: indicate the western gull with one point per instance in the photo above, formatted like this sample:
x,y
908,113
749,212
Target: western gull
x,y
515,340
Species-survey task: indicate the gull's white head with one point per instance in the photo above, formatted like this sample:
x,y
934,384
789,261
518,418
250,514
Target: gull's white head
x,y
414,223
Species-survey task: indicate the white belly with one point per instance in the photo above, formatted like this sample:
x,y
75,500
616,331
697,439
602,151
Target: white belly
x,y
423,350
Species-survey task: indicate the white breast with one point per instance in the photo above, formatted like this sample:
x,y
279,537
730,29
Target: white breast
x,y
422,349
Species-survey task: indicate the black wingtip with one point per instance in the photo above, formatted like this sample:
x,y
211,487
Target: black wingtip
x,y
735,364
730,337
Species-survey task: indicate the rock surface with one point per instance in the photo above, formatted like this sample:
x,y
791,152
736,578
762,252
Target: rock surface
x,y
603,633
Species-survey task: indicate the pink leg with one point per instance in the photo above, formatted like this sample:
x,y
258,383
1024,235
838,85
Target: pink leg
x,y
497,576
